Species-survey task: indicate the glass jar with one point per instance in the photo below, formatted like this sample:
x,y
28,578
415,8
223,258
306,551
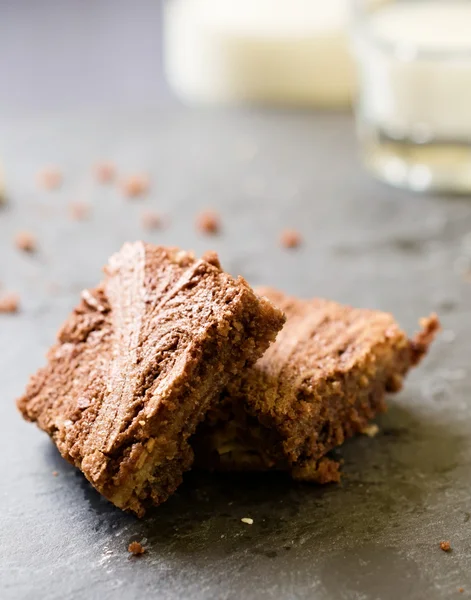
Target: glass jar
x,y
413,109
278,52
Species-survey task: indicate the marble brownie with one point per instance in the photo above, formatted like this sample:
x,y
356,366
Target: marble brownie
x,y
321,382
138,364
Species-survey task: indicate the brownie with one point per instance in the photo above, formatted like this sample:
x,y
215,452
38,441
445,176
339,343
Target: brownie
x,y
139,362
321,382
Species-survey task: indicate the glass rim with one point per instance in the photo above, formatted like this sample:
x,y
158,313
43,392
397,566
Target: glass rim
x,y
405,52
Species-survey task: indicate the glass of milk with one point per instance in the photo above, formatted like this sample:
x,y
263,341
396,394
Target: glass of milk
x,y
278,52
414,91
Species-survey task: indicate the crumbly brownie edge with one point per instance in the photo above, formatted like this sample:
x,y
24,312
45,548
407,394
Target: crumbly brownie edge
x,y
258,444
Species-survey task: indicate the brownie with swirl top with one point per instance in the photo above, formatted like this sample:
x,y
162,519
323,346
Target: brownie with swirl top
x,y
321,382
138,364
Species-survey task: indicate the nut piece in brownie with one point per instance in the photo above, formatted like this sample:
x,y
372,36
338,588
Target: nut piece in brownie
x,y
321,382
139,362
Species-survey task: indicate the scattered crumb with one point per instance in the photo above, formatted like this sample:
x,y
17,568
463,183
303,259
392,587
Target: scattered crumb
x,y
150,220
49,178
208,222
461,590
247,520
290,238
55,473
136,548
26,241
9,303
104,171
135,185
79,211
445,546
370,430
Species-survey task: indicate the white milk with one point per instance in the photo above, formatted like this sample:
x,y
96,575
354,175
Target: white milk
x,y
292,52
415,65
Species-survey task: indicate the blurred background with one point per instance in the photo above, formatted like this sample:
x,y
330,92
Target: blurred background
x,y
80,54
109,52
404,65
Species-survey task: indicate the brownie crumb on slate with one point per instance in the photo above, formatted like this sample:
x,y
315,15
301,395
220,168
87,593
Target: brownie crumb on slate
x,y
79,211
136,548
135,185
104,171
290,238
138,364
208,222
26,241
150,220
370,430
9,303
445,546
49,178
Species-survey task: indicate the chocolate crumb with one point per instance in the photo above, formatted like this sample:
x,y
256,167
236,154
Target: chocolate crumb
x,y
79,211
9,303
135,185
461,590
208,222
49,178
445,546
290,238
105,172
26,241
136,548
150,220
370,430
55,473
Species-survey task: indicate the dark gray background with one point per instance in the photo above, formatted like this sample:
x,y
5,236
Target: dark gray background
x,y
375,536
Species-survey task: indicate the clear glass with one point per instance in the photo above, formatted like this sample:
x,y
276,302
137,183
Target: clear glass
x,y
413,108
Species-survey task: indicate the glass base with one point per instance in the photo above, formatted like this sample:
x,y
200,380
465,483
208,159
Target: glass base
x,y
433,166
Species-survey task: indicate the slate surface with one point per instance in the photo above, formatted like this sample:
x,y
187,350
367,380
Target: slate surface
x,y
375,536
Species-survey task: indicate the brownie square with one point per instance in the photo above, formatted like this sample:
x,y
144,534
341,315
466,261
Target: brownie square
x,y
138,364
321,382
